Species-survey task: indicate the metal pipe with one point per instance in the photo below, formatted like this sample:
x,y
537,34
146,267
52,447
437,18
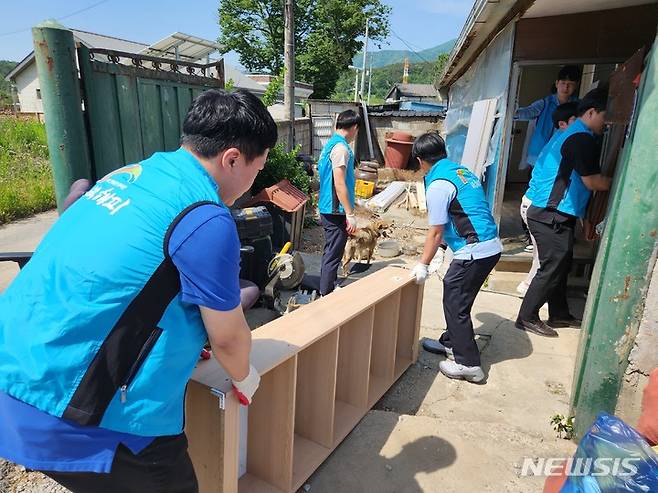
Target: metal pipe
x,y
54,52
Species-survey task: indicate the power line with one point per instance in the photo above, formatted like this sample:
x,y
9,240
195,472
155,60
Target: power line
x,y
410,47
59,18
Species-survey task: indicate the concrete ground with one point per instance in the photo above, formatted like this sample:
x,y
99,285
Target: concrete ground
x,y
22,236
428,433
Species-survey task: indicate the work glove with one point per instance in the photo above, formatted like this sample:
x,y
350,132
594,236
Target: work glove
x,y
350,219
420,272
245,389
437,261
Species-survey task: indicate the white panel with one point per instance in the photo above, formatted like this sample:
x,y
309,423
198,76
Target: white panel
x,y
479,135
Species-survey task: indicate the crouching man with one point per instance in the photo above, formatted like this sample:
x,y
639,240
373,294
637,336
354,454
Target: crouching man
x,y
460,215
101,330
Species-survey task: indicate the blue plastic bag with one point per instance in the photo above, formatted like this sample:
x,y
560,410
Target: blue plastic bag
x,y
611,458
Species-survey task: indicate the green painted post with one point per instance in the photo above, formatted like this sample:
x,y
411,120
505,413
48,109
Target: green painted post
x,y
54,51
623,265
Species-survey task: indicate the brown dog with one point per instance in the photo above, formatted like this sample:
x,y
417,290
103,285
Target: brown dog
x,y
362,244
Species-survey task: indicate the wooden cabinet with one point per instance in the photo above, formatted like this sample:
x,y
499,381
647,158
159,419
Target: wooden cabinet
x,y
322,368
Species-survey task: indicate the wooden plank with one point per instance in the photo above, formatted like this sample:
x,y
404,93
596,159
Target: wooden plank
x,y
131,133
170,116
212,437
308,455
271,426
409,322
355,342
278,340
346,418
384,337
316,390
422,199
478,137
251,484
150,117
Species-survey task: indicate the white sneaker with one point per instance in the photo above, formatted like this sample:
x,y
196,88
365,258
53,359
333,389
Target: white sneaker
x,y
522,288
434,346
452,369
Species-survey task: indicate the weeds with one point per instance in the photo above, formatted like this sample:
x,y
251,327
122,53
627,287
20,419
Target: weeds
x,y
26,184
563,426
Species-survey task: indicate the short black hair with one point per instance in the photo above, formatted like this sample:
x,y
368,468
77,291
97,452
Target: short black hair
x,y
563,112
219,120
429,147
569,72
347,119
596,98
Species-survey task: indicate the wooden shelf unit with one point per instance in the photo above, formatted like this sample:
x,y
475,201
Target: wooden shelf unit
x,y
322,368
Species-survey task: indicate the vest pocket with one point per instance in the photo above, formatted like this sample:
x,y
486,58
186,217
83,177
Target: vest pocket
x,y
141,357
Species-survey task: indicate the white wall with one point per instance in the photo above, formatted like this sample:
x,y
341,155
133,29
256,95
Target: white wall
x,y
27,83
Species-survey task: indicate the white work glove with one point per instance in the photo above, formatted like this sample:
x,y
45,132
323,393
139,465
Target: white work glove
x,y
351,220
420,272
245,389
437,261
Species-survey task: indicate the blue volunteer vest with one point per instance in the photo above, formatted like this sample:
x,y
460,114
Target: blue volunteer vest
x,y
549,191
532,185
93,329
544,128
470,218
328,200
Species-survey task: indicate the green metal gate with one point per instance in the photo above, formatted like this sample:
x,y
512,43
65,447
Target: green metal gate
x,y
121,108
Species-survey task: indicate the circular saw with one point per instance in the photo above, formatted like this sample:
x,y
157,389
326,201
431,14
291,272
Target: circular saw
x,y
285,271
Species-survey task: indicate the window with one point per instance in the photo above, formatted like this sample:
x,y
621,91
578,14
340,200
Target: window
x,y
38,93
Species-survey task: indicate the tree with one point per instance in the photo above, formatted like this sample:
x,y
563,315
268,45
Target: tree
x,y
440,64
326,33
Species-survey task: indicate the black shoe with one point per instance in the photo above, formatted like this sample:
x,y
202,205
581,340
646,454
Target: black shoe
x,y
563,322
536,327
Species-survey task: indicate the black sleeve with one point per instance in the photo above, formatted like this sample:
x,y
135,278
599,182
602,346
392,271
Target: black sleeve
x,y
579,152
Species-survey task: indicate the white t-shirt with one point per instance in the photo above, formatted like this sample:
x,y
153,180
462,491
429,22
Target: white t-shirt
x,y
339,156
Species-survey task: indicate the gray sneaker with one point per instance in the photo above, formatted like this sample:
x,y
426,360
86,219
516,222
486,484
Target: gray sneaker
x,y
451,369
434,346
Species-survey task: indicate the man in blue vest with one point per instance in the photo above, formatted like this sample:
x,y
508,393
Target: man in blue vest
x,y
562,183
541,127
563,116
459,214
101,330
336,202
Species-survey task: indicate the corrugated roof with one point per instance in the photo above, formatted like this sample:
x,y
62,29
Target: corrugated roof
x,y
191,48
408,114
416,90
90,40
242,81
94,40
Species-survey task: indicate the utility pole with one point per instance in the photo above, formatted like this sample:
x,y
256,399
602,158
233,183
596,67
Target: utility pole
x,y
369,78
363,67
356,82
289,77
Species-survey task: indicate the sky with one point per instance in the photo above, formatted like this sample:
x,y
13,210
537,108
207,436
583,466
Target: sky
x,y
418,24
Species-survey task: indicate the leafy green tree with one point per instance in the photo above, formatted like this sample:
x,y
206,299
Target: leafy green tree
x,y
273,89
326,33
439,65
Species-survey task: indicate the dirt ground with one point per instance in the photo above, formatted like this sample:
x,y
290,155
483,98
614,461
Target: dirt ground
x,y
428,433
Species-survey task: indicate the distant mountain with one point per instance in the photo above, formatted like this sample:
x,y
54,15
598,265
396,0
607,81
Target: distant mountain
x,y
387,57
